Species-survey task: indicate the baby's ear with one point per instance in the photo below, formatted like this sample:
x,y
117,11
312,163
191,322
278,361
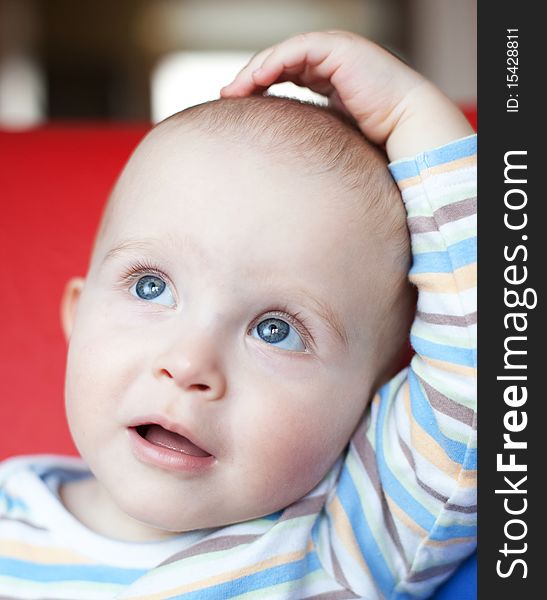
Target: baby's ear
x,y
69,303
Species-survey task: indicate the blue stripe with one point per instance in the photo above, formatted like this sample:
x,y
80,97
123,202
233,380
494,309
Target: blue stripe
x,y
273,517
389,482
351,502
449,152
400,495
54,572
65,475
445,261
441,534
425,417
459,356
12,503
405,168
257,581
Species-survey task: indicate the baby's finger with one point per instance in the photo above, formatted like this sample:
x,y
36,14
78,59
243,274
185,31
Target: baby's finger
x,y
306,54
243,84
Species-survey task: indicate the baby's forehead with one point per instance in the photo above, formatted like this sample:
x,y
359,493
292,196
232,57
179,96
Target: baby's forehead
x,y
229,203
184,171
273,146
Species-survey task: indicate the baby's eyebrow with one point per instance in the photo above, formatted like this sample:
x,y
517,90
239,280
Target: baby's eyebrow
x,y
127,246
147,245
327,314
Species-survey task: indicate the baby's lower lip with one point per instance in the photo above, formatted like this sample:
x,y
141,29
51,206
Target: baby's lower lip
x,y
167,458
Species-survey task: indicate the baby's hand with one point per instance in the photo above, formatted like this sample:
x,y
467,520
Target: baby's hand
x,y
391,103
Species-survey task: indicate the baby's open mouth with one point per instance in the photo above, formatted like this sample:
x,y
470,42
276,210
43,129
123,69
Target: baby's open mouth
x,y
159,436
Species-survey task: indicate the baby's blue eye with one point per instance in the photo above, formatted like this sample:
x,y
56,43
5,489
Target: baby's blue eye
x,y
152,288
278,333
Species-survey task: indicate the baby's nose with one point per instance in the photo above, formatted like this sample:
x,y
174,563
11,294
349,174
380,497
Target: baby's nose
x,y
194,366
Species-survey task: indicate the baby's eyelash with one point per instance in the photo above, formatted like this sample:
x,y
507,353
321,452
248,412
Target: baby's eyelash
x,y
141,267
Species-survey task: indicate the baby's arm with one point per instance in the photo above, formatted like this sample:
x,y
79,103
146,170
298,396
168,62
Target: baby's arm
x,y
424,421
403,513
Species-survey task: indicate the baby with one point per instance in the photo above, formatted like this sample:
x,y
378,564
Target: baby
x,y
231,378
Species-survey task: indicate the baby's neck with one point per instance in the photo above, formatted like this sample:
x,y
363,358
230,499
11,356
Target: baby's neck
x,y
91,505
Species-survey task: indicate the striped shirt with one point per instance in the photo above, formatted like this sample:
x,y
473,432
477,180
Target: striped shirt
x,y
393,517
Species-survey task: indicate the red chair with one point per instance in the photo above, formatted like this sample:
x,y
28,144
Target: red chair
x,y
54,181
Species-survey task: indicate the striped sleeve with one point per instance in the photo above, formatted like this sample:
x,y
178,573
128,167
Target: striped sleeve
x,y
403,514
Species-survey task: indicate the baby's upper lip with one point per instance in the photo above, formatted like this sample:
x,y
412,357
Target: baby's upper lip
x,y
156,419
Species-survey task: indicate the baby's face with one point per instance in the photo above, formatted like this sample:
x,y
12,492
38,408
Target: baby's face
x,y
232,298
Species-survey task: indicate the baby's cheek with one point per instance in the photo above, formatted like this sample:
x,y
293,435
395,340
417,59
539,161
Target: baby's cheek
x,y
292,460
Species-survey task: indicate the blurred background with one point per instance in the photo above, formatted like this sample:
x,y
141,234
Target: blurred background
x,y
142,60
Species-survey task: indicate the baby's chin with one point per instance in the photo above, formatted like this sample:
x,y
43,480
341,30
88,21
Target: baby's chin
x,y
153,514
184,517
